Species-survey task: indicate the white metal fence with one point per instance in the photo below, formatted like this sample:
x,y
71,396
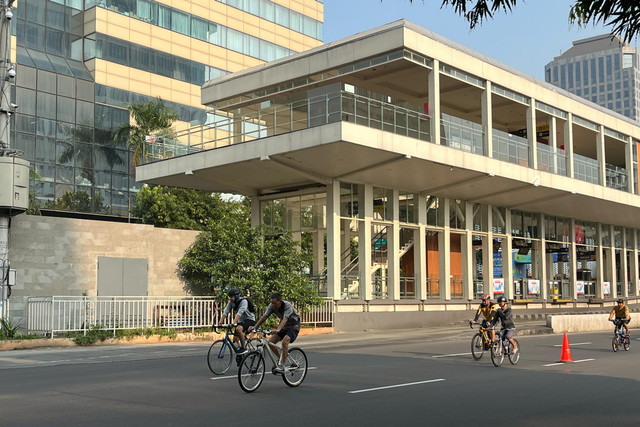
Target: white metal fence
x,y
60,314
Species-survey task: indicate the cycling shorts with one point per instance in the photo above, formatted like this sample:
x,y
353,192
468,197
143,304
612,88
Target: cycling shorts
x,y
622,320
291,332
507,333
246,323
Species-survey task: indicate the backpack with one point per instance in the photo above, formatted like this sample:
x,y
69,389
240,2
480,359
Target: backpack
x,y
250,306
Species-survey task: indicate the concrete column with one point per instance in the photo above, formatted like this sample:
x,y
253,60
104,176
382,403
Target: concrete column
x,y
507,257
599,265
628,164
420,250
635,276
467,253
444,256
364,246
573,261
623,266
487,253
393,249
256,212
568,148
333,240
434,101
542,256
611,262
487,120
600,154
553,141
532,134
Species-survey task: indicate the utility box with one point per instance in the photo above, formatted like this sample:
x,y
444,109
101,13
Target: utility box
x,y
14,185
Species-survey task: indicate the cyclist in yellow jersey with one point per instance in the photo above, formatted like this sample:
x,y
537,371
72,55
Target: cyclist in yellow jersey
x,y
488,311
621,313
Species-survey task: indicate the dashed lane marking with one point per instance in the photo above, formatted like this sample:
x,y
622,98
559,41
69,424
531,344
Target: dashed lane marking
x,y
568,363
451,355
573,344
396,386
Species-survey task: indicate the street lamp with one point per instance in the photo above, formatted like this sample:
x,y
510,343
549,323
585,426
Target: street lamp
x,y
120,193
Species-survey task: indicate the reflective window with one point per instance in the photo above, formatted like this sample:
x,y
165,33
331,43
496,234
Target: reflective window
x,y
66,109
46,105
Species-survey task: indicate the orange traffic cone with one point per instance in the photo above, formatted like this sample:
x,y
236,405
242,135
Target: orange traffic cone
x,y
566,351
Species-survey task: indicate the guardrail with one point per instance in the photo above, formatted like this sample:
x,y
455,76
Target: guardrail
x,y
60,314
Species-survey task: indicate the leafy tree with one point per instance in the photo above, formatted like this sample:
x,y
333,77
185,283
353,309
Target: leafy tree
x,y
79,201
623,16
150,118
236,255
169,207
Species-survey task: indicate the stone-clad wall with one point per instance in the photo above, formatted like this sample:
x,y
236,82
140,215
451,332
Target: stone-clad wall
x,y
59,256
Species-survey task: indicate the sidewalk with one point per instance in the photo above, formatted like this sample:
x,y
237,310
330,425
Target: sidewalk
x,y
312,338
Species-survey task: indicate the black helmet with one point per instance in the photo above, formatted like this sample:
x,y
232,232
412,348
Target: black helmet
x,y
502,299
233,292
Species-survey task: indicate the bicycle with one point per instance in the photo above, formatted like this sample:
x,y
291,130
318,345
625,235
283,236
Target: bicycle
x,y
502,347
480,342
619,336
221,351
252,367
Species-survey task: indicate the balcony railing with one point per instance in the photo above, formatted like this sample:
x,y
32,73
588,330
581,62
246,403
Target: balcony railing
x,y
510,148
585,169
552,160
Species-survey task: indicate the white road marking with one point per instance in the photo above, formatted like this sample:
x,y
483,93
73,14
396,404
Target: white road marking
x,y
565,363
310,368
573,344
396,386
451,355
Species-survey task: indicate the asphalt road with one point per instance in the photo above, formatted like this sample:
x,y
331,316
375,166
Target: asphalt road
x,y
376,379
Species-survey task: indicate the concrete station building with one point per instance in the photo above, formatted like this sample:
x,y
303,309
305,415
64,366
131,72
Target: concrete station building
x,y
423,174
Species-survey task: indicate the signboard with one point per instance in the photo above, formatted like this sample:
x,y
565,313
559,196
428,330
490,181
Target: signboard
x,y
498,285
606,288
150,138
533,286
497,264
579,234
580,287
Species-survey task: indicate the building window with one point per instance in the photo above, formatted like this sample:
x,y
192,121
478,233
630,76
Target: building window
x,y
627,60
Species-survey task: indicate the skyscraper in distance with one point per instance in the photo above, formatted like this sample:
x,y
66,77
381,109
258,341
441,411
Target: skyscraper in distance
x,y
603,69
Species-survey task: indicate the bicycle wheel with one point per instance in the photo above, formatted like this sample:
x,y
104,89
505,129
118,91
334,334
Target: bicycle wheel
x,y
497,353
219,357
614,343
627,344
477,346
295,370
513,357
251,372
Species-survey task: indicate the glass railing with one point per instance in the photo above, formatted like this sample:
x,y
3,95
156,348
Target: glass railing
x,y
510,148
301,114
585,168
616,177
461,134
550,160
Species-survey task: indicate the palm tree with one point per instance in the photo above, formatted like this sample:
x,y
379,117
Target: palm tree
x,y
151,118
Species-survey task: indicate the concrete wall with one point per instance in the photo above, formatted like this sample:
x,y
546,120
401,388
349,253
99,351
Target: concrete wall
x,y
586,322
59,256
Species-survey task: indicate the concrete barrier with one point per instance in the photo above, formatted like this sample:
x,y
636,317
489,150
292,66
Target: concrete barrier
x,y
585,322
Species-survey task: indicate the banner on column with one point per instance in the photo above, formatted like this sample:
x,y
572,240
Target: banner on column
x,y
534,286
606,288
498,285
580,287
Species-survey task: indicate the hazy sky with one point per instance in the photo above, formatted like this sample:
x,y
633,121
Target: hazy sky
x,y
526,39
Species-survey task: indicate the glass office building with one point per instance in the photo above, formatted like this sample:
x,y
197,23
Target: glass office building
x,y
80,63
602,69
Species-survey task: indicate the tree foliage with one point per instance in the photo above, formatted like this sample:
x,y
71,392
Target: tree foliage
x,y
150,118
623,16
236,255
170,207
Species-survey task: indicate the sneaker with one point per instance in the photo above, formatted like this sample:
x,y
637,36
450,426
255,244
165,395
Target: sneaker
x,y
242,350
279,368
514,351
